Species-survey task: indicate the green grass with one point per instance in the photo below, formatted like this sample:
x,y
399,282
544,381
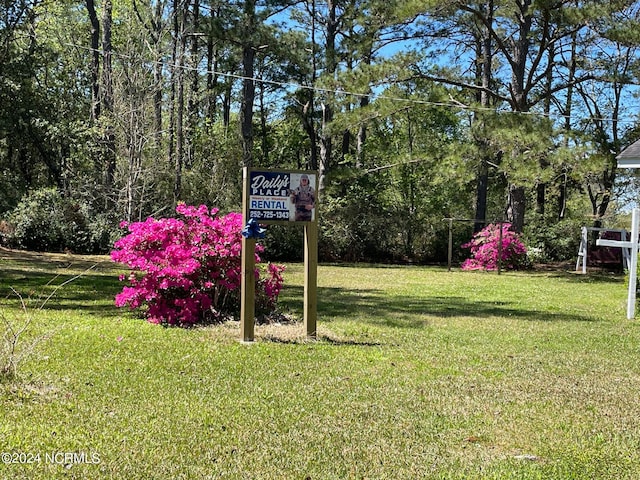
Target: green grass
x,y
417,373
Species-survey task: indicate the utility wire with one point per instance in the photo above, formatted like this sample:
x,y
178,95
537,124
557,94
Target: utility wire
x,y
325,90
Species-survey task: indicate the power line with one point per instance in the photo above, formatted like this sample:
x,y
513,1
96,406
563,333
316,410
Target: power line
x,y
339,91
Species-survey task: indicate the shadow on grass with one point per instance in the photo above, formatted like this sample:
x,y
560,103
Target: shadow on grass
x,y
589,277
320,339
562,271
378,308
92,293
33,276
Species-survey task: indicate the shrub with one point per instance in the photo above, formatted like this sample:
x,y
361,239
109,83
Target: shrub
x,y
47,221
188,270
555,241
485,249
38,222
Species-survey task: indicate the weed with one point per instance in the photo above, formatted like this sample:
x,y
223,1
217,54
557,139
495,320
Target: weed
x,y
16,328
13,350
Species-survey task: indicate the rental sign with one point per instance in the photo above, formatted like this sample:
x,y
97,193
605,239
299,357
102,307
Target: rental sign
x,y
281,196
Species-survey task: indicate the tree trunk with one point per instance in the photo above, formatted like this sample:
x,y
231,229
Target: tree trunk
x,y
264,137
95,60
310,129
157,76
154,28
346,144
541,194
573,65
484,75
246,105
108,101
326,146
361,137
541,186
562,197
248,84
516,207
482,187
212,68
308,110
192,104
176,120
179,158
226,105
171,152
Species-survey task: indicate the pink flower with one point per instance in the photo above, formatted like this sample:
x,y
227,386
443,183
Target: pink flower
x,y
485,249
185,269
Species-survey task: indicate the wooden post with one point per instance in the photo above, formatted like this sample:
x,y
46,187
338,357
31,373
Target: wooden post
x,y
450,249
311,278
248,290
248,281
500,224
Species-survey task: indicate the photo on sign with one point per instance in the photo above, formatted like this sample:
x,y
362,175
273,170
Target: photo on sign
x,y
302,196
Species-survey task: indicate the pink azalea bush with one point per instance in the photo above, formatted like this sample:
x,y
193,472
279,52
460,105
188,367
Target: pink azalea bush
x,y
485,248
188,270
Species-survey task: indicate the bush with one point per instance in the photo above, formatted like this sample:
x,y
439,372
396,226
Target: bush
x,y
186,271
485,249
357,225
284,243
557,241
46,221
37,222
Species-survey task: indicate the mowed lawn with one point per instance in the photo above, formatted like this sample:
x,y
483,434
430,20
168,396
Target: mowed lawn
x,y
417,373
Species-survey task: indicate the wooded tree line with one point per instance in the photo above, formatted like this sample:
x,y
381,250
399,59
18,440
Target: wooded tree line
x,y
411,111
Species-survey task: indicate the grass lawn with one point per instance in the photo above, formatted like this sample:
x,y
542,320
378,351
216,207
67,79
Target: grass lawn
x,y
417,373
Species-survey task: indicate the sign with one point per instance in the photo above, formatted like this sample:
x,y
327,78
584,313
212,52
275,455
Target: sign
x,y
633,245
281,196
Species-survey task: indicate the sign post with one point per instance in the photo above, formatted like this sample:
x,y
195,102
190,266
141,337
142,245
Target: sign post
x,y
248,280
248,289
279,197
310,278
633,263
